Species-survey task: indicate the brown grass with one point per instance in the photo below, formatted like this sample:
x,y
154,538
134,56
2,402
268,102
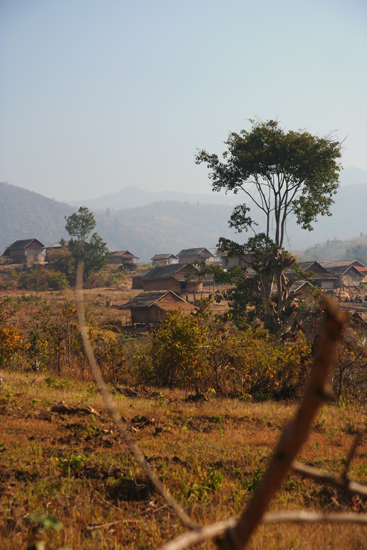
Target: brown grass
x,y
210,455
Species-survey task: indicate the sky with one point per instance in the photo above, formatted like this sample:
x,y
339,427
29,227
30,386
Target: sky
x,y
100,95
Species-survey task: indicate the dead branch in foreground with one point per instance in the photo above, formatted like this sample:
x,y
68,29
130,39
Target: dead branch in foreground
x,y
106,395
296,516
341,483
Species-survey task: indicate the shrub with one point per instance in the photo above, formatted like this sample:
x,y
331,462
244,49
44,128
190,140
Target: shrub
x,y
179,357
57,280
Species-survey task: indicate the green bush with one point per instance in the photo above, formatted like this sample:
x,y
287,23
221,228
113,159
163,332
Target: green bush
x,y
57,280
179,356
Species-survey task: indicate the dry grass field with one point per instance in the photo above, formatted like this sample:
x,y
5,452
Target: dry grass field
x,y
210,455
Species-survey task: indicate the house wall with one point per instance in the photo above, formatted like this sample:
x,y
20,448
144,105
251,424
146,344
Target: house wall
x,y
146,315
160,262
193,258
28,256
117,260
325,284
172,284
241,261
351,278
162,284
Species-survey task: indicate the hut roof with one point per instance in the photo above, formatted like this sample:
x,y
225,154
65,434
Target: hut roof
x,y
168,271
297,285
339,267
170,306
123,254
21,245
193,252
57,244
147,299
312,265
164,257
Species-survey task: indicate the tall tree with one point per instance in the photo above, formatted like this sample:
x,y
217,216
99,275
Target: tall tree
x,y
86,247
282,175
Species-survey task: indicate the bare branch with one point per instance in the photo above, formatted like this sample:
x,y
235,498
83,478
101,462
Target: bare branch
x,y
107,398
341,483
356,442
297,516
295,433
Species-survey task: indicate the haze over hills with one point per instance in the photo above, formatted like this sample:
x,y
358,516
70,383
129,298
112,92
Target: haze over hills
x,y
167,226
145,230
131,197
164,227
27,215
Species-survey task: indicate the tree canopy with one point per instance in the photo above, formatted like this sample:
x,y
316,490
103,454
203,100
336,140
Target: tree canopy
x,y
282,175
87,248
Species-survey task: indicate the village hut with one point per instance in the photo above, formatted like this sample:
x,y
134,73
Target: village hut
x,y
27,251
180,278
152,307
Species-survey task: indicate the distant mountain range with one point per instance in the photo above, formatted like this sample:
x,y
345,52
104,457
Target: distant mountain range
x,y
27,215
152,223
146,230
131,197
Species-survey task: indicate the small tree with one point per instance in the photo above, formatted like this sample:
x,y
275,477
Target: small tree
x,y
89,249
283,175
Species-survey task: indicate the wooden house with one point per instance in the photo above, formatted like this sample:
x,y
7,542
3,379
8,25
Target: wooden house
x,y
136,283
319,276
55,247
180,278
195,254
164,259
301,289
123,258
348,273
241,261
27,251
152,307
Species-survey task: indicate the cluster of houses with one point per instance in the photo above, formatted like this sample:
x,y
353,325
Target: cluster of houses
x,y
173,277
32,251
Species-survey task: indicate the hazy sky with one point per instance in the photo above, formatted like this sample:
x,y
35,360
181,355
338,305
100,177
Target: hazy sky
x,y
98,95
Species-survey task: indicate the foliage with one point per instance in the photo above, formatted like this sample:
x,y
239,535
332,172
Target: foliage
x,y
282,175
57,280
179,358
199,350
87,248
253,362
80,224
12,343
349,379
61,260
290,173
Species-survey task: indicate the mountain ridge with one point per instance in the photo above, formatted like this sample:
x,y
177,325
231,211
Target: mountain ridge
x,y
168,226
131,196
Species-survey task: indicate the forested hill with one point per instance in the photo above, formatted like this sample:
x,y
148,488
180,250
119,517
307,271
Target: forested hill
x,y
27,215
158,228
167,226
